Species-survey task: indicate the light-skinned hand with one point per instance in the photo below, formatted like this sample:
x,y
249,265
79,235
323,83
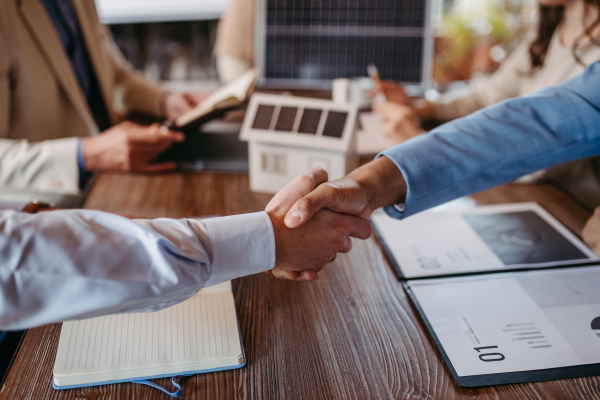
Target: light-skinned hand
x,y
176,104
302,253
129,147
398,121
394,93
376,184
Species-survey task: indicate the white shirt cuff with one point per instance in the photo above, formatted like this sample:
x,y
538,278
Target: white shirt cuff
x,y
241,245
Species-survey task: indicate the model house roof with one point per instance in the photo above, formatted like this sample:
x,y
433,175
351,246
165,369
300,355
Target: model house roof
x,y
299,121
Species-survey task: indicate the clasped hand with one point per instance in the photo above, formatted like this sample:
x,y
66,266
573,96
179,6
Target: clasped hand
x,y
313,219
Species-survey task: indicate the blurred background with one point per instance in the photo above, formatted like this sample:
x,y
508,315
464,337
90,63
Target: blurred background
x,y
174,41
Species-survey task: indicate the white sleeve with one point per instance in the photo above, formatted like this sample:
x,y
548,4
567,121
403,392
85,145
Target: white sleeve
x,y
48,166
62,265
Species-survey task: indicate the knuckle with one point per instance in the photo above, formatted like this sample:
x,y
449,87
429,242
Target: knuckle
x,y
339,243
306,202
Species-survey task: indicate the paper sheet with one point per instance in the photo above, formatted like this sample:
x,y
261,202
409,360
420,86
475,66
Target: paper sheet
x,y
485,238
517,321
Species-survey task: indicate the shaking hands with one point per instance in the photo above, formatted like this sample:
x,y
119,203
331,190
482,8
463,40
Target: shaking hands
x,y
314,219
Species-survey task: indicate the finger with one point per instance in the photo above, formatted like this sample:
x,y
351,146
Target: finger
x,y
286,275
358,227
308,276
191,100
297,188
347,246
302,211
160,167
150,137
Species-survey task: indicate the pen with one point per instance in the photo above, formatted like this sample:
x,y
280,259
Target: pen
x,y
374,74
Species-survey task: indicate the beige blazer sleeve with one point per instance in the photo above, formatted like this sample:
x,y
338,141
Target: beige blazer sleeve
x,y
483,92
47,166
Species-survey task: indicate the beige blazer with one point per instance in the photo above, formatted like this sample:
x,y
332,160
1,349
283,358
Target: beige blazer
x,y
42,107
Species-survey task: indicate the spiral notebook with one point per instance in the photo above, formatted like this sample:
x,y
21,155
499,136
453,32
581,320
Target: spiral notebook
x,y
198,335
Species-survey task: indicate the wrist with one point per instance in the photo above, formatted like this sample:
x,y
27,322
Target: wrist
x,y
382,182
89,153
424,109
162,104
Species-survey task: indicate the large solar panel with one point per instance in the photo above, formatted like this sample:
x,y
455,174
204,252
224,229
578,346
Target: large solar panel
x,y
308,43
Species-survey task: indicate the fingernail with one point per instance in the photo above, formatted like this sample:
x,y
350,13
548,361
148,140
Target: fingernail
x,y
293,219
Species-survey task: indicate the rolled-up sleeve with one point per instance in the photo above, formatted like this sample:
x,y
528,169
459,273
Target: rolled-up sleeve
x,y
78,264
501,143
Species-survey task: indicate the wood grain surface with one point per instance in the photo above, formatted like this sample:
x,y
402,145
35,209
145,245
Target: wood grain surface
x,y
352,335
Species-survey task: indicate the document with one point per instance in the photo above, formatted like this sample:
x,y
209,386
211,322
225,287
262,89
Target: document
x,y
455,241
515,322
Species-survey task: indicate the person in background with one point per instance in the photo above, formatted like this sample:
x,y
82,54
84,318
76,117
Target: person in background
x,y
60,72
234,46
566,40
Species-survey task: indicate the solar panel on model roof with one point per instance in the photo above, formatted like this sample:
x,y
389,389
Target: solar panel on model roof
x,y
334,126
286,119
310,121
263,117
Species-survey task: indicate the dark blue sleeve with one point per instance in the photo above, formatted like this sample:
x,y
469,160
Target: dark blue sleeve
x,y
501,143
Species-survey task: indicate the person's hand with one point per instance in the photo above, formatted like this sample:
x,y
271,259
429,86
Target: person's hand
x,y
302,253
376,184
591,231
394,93
129,147
398,121
176,104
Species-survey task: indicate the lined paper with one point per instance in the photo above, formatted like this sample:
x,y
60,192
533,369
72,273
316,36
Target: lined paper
x,y
202,328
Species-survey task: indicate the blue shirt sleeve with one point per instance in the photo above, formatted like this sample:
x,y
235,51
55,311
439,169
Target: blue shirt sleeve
x,y
501,143
83,174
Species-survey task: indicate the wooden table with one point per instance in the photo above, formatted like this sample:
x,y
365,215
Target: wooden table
x,y
352,335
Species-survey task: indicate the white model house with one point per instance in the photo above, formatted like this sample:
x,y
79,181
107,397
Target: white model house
x,y
288,136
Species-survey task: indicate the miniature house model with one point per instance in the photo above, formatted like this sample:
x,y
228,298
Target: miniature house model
x,y
288,136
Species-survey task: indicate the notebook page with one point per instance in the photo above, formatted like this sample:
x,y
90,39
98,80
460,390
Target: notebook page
x,y
201,329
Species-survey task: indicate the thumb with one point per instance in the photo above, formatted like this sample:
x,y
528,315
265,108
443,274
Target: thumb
x,y
296,189
302,211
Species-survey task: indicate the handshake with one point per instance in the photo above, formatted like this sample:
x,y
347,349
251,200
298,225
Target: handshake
x,y
313,219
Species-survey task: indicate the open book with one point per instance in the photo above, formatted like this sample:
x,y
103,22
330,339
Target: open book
x,y
231,95
198,335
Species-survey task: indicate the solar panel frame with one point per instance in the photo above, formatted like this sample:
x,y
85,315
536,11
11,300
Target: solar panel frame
x,y
297,83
